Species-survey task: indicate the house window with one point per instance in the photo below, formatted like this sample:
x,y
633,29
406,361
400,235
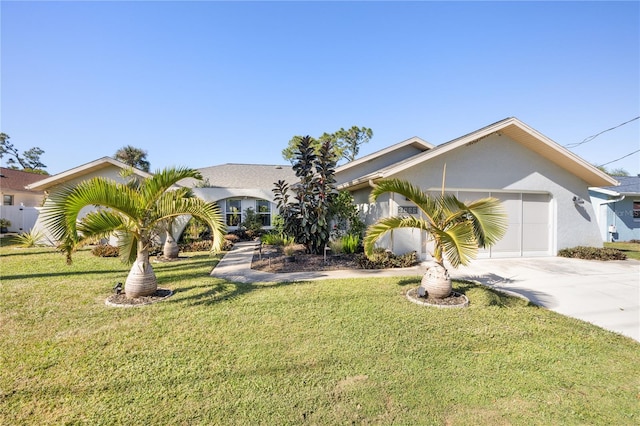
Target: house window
x,y
233,212
636,211
7,200
263,208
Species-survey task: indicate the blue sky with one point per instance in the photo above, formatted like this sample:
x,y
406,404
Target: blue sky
x,y
206,83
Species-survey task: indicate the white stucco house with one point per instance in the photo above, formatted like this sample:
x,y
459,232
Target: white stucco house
x,y
543,187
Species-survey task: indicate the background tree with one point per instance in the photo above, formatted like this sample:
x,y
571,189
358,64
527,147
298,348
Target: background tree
x,y
29,161
350,140
135,157
307,216
614,172
135,211
345,144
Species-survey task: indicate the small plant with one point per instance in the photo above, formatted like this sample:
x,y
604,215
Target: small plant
x,y
350,243
30,239
382,259
105,250
592,253
4,224
252,222
289,249
336,246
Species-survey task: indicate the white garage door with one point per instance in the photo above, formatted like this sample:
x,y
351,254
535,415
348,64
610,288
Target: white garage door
x,y
529,219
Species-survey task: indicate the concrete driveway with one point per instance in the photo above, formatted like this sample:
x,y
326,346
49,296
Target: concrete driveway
x,y
606,294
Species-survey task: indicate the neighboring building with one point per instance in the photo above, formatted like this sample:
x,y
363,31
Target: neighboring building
x,y
618,209
18,204
543,187
238,187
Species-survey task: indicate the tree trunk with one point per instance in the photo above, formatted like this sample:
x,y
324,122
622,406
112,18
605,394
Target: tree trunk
x,y
141,280
436,282
170,249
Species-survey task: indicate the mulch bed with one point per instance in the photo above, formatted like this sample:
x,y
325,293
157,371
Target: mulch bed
x,y
121,300
272,259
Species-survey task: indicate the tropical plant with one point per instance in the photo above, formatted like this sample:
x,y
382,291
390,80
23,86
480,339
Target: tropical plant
x,y
457,229
307,217
30,239
133,211
252,221
346,216
350,243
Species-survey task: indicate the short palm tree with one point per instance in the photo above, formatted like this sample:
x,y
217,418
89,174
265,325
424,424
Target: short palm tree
x,y
457,229
134,211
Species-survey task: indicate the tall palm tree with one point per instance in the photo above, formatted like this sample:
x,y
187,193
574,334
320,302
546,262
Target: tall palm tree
x,y
457,229
135,211
134,157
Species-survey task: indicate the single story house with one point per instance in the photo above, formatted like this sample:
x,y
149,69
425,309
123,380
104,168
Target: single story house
x,y
18,203
543,187
618,209
235,187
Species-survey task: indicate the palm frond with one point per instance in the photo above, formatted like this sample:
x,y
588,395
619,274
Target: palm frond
x,y
152,188
489,220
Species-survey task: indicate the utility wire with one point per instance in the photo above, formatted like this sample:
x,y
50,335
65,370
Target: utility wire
x,y
636,151
592,137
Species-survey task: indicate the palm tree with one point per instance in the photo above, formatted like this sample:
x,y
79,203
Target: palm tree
x,y
457,229
134,211
134,157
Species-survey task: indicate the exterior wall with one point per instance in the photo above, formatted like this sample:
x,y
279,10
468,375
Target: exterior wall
x,y
618,214
497,163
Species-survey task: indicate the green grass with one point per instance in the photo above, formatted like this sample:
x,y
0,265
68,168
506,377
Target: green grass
x,y
321,352
632,250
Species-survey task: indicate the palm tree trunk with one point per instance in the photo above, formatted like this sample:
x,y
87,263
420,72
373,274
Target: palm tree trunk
x,y
141,280
436,282
170,249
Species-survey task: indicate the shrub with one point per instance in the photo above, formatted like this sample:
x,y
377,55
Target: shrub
x,y
29,239
634,241
203,245
383,259
351,243
105,250
252,222
336,246
592,253
275,239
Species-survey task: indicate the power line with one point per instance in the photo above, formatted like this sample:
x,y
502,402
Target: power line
x,y
628,155
592,137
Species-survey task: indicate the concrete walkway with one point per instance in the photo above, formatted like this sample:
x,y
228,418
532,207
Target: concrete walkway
x,y
606,294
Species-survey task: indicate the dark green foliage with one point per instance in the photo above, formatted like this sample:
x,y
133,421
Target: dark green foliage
x,y
592,253
252,222
382,259
307,217
346,216
105,250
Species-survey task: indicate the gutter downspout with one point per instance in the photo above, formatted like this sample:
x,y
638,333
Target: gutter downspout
x,y
612,230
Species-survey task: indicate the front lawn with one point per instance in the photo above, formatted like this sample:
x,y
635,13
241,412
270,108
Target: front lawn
x,y
321,352
632,250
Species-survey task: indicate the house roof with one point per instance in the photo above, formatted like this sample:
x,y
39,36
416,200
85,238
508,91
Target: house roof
x,y
79,171
232,175
629,185
517,131
415,142
16,180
